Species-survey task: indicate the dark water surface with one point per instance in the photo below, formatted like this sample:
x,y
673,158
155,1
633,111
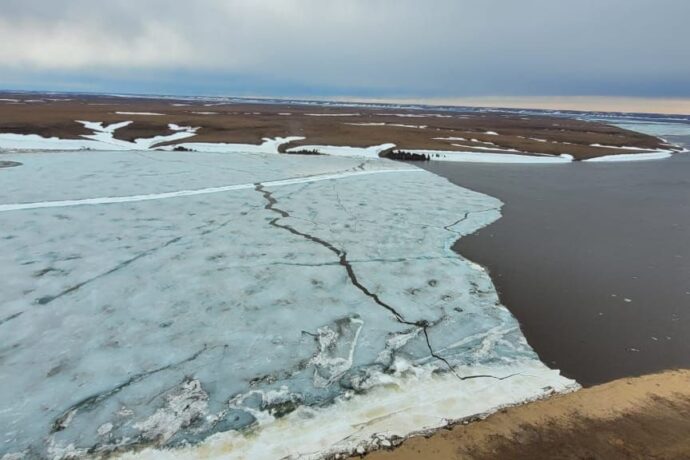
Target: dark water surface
x,y
592,258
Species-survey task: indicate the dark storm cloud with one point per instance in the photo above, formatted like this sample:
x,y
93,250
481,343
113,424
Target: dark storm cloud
x,y
445,47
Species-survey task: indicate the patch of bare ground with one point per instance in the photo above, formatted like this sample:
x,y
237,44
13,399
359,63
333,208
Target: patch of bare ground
x,y
250,123
634,418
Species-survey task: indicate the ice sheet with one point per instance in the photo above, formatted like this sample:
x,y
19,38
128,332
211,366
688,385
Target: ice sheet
x,y
239,313
36,142
656,129
486,157
658,155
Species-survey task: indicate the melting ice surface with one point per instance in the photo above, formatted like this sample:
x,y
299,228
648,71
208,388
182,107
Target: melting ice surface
x,y
292,306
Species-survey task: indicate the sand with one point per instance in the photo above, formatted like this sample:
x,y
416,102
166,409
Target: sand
x,y
320,125
635,418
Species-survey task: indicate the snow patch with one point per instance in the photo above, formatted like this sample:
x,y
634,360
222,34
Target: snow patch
x,y
345,151
102,139
414,115
477,157
450,139
269,145
141,113
332,114
398,125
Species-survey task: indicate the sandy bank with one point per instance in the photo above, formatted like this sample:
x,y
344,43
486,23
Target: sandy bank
x,y
644,417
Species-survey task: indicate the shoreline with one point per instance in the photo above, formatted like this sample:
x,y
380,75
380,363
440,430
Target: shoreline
x,y
639,417
383,414
617,418
608,275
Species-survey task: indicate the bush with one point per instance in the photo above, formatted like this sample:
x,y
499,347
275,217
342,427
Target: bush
x,y
304,152
406,156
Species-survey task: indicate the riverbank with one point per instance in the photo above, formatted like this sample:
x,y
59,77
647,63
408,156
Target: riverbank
x,y
633,418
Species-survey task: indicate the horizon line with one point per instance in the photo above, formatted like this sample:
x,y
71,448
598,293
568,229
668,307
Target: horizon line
x,y
576,103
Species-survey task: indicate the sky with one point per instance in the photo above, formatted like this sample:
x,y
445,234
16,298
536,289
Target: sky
x,y
359,48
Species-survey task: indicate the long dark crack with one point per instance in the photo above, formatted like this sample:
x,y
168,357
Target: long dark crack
x,y
462,219
48,299
342,255
450,367
342,258
11,317
467,214
63,420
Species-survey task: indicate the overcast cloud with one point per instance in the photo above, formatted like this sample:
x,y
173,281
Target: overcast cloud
x,y
349,47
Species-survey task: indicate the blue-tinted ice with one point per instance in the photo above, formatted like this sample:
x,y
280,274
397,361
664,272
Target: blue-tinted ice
x,y
161,322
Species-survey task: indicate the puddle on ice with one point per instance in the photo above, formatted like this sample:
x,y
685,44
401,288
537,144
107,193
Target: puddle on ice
x,y
316,311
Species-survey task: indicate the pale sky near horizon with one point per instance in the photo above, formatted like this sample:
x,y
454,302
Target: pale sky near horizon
x,y
445,49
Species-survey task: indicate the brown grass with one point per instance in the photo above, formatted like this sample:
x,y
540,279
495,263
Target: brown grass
x,y
250,123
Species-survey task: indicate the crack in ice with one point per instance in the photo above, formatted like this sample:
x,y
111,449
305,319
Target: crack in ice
x,y
63,420
343,261
48,299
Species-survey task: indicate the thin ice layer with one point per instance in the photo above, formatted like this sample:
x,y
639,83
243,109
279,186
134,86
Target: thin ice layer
x,y
163,322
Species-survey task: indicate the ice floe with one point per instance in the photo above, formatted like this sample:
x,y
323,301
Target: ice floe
x,y
320,308
655,128
658,155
